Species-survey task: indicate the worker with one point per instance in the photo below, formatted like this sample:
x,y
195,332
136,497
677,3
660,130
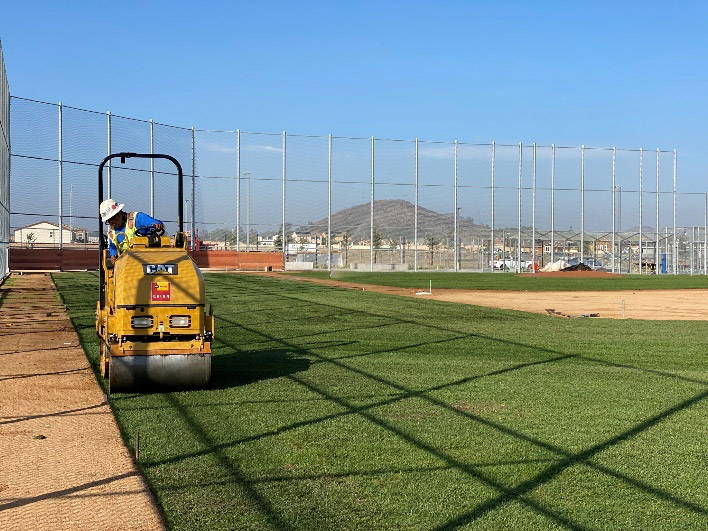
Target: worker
x,y
124,226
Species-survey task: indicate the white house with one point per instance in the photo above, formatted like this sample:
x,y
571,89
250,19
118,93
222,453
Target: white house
x,y
43,233
266,241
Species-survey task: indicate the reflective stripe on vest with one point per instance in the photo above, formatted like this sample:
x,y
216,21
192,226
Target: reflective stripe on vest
x,y
129,232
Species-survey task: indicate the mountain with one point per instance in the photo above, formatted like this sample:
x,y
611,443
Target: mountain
x,y
395,218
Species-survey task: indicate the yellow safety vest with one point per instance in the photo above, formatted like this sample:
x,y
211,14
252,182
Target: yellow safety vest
x,y
129,232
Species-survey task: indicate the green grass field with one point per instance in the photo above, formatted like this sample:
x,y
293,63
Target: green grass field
x,y
341,409
511,281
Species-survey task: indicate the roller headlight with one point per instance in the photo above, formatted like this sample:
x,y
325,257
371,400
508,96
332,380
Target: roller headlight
x,y
141,322
180,321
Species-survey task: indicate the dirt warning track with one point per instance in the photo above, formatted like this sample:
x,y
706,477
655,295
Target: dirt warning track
x,y
64,464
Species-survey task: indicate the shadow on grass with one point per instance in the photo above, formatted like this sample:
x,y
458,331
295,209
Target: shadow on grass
x,y
520,492
234,369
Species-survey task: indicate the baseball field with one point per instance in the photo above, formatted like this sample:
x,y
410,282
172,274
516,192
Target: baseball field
x,y
339,408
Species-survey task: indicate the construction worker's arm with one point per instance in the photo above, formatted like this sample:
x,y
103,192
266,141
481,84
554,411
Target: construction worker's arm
x,y
143,221
112,250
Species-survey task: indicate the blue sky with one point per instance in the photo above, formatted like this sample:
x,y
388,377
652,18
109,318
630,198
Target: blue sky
x,y
629,74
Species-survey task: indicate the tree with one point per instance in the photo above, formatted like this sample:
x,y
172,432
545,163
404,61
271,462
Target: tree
x,y
31,238
346,243
432,244
393,244
376,242
278,240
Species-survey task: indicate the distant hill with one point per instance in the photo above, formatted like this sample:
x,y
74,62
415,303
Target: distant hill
x,y
394,218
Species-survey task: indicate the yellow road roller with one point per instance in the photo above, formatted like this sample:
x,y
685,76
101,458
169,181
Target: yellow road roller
x,y
153,329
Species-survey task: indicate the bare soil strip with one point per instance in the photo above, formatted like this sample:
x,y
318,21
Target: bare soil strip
x,y
670,304
63,464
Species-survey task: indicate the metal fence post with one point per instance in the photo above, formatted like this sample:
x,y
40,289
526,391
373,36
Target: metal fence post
x,y
152,171
675,241
491,243
455,243
109,164
194,172
614,205
518,241
371,242
61,176
285,155
238,190
553,202
693,245
247,174
656,245
329,204
705,234
533,213
582,203
641,182
415,213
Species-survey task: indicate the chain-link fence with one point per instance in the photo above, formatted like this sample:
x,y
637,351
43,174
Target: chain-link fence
x,y
4,167
360,203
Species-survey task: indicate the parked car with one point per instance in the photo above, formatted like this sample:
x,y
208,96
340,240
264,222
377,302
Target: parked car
x,y
509,264
591,262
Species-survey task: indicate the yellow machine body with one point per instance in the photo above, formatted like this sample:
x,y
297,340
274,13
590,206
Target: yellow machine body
x,y
154,329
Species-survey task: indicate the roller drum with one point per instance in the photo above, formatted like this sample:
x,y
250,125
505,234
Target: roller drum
x,y
159,372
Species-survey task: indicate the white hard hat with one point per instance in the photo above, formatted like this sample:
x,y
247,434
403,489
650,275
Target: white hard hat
x,y
109,208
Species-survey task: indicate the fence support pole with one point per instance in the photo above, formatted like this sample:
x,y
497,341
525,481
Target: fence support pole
x,y
582,203
109,164
329,205
457,250
533,213
641,189
152,170
693,245
61,175
705,234
285,154
614,205
553,202
518,238
371,241
658,256
675,241
194,172
415,213
491,243
238,190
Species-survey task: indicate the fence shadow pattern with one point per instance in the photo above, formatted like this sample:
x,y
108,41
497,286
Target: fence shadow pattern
x,y
552,459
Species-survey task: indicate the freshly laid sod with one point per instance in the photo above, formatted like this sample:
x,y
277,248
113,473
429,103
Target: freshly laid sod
x,y
511,281
340,409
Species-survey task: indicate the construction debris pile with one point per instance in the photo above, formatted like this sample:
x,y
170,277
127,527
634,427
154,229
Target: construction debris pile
x,y
578,267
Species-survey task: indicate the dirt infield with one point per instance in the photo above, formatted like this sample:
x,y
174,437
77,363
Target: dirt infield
x,y
63,465
677,304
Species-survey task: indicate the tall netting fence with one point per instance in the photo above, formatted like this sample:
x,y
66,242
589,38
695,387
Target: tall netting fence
x,y
357,203
4,167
